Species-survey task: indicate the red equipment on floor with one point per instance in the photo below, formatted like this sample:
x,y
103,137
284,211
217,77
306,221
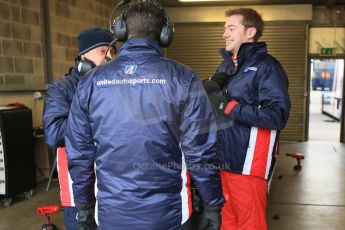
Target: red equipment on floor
x,y
298,157
47,211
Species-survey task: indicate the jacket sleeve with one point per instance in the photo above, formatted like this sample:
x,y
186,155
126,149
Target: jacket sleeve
x,y
274,102
55,114
199,143
81,150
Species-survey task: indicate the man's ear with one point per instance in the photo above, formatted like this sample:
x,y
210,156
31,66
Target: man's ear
x,y
251,31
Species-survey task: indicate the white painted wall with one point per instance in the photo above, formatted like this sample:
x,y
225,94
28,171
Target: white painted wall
x,y
327,37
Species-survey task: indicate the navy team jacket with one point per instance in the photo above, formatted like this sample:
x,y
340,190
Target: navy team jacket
x,y
135,124
260,86
57,102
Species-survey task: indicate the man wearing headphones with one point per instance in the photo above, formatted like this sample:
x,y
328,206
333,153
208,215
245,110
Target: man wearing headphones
x,y
93,51
136,125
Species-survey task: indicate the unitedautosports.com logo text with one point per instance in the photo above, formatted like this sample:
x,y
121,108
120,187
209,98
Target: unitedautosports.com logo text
x,y
130,81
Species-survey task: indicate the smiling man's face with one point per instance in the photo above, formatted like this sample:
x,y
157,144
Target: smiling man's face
x,y
235,33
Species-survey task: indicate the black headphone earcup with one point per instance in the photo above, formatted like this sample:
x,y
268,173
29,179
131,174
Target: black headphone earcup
x,y
167,35
120,29
85,65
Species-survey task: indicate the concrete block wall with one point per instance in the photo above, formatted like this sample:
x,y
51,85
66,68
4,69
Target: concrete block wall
x,y
22,70
21,63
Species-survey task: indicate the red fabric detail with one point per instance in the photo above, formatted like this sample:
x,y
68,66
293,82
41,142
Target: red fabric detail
x,y
245,202
65,193
231,105
261,152
229,219
190,207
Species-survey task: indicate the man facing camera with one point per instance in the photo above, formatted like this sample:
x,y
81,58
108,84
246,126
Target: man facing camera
x,y
250,94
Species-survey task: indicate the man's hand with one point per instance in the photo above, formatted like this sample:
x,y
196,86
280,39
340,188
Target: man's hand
x,y
216,96
86,217
211,218
221,79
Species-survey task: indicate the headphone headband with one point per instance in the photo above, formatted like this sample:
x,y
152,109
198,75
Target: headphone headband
x,y
120,29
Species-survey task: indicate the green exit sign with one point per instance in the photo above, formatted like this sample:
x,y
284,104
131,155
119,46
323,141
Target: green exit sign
x,y
327,51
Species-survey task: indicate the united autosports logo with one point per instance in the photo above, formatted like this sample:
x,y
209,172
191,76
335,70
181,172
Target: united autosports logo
x,y
130,69
251,68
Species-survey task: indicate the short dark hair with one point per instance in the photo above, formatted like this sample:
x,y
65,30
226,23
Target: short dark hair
x,y
251,18
145,18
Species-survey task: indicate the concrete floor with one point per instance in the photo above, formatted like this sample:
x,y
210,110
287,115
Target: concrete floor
x,y
313,198
22,213
321,127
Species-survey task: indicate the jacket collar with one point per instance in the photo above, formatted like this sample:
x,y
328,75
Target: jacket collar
x,y
75,73
140,45
247,51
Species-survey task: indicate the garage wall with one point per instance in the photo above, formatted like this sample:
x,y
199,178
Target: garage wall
x,y
197,45
288,43
21,63
22,44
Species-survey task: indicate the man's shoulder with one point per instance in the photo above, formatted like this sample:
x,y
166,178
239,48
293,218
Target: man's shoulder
x,y
268,66
267,61
63,83
177,64
269,58
66,79
181,69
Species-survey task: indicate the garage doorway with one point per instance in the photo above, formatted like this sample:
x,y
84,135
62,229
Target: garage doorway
x,y
326,99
